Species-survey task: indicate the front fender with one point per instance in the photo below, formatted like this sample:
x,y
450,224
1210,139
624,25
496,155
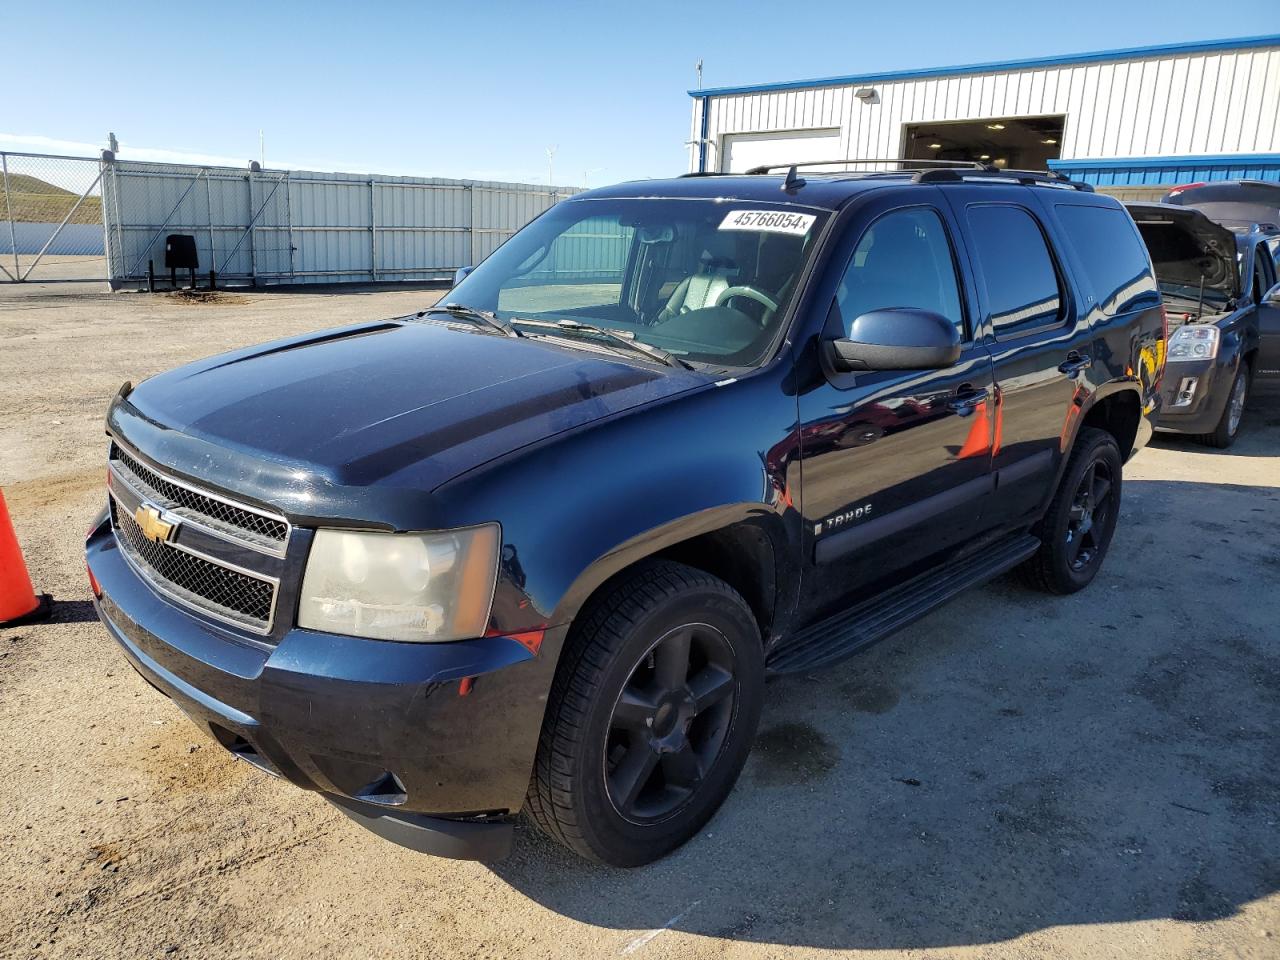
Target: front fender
x,y
595,570
577,509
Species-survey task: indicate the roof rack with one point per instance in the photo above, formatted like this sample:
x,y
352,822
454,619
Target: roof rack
x,y
987,174
925,171
905,164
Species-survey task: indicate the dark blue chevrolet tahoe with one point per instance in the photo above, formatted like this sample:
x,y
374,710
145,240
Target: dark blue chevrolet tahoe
x,y
539,547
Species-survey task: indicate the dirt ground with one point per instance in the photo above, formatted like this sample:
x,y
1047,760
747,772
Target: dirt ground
x,y
1015,776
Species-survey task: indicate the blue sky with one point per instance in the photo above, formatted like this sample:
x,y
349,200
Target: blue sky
x,y
481,89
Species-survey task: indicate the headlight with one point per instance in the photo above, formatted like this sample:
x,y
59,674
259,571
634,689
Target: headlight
x,y
419,587
1194,342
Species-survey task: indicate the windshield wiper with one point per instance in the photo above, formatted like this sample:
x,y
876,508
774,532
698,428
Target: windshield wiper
x,y
627,340
485,317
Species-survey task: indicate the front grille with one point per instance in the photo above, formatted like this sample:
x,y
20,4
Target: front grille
x,y
258,529
226,593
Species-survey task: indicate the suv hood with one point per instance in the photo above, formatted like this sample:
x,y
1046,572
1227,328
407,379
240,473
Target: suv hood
x,y
302,423
1186,245
1237,204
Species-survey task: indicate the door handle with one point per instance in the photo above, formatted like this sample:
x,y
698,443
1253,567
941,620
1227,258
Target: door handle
x,y
966,401
1075,364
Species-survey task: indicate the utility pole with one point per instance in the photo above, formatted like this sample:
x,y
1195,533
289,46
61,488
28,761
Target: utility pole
x,y
698,67
551,157
262,149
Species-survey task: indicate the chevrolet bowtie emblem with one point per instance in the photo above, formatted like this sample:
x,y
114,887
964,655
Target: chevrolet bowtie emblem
x,y
153,525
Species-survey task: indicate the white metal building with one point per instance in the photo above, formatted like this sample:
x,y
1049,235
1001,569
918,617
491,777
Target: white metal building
x,y
1128,121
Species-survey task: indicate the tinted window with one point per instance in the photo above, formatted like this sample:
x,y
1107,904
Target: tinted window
x,y
1114,257
903,260
1263,277
1022,286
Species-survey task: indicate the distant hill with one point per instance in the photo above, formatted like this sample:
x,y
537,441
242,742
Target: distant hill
x,y
32,200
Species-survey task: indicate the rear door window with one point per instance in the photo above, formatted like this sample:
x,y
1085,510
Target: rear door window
x,y
1114,257
1023,290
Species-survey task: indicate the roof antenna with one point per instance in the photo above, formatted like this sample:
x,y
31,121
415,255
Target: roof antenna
x,y
793,182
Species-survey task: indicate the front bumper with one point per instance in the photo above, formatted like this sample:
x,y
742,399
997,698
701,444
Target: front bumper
x,y
387,731
1213,379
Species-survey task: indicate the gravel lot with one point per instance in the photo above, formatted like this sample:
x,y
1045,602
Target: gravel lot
x,y
1015,776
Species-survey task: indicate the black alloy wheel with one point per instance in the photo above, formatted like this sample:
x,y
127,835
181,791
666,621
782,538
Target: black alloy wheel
x,y
669,723
1077,528
651,715
1088,521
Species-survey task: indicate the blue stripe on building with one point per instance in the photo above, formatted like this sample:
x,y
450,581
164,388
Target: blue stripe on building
x,y
1157,171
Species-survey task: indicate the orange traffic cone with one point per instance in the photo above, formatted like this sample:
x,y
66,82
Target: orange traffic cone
x,y
18,601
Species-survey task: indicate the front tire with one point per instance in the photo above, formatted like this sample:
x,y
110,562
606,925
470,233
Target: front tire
x,y
650,718
1228,428
1076,531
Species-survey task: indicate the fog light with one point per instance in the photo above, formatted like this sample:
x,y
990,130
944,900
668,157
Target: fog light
x,y
1186,391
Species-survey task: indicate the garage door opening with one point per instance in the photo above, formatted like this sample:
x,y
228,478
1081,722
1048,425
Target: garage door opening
x,y
742,151
1019,143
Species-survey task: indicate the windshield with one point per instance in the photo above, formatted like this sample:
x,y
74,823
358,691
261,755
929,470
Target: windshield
x,y
705,280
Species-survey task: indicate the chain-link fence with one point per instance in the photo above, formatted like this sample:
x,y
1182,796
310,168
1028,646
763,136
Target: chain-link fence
x,y
51,225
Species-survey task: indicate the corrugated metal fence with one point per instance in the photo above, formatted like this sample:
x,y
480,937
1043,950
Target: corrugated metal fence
x,y
280,227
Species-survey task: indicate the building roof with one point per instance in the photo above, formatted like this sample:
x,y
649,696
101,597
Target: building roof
x,y
1000,66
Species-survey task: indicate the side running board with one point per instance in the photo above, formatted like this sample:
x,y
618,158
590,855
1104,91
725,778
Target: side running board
x,y
847,632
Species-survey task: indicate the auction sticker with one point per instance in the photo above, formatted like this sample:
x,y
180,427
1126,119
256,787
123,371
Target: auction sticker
x,y
769,221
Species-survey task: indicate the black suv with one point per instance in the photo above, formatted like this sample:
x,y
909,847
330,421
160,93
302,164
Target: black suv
x,y
538,548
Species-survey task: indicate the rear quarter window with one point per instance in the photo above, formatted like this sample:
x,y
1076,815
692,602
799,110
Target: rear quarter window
x,y
1115,260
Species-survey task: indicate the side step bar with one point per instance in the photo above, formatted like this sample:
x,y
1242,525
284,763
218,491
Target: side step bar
x,y
847,632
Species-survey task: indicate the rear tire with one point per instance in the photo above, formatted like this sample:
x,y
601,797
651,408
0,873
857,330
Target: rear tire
x,y
1076,531
1228,428
650,718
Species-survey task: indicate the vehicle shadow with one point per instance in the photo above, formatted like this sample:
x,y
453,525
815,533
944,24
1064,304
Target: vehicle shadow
x,y
1012,763
1257,438
73,611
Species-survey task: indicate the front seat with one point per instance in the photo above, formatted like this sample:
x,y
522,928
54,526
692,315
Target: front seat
x,y
717,271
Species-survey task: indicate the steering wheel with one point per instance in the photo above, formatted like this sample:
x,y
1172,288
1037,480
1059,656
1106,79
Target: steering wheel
x,y
751,293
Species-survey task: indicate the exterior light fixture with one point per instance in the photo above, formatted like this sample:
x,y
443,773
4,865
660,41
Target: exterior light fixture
x,y
867,94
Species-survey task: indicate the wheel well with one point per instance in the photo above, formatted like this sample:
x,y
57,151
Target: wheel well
x,y
1119,415
741,556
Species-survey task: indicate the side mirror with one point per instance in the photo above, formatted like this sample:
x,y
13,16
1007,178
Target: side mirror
x,y
461,274
897,338
1272,295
